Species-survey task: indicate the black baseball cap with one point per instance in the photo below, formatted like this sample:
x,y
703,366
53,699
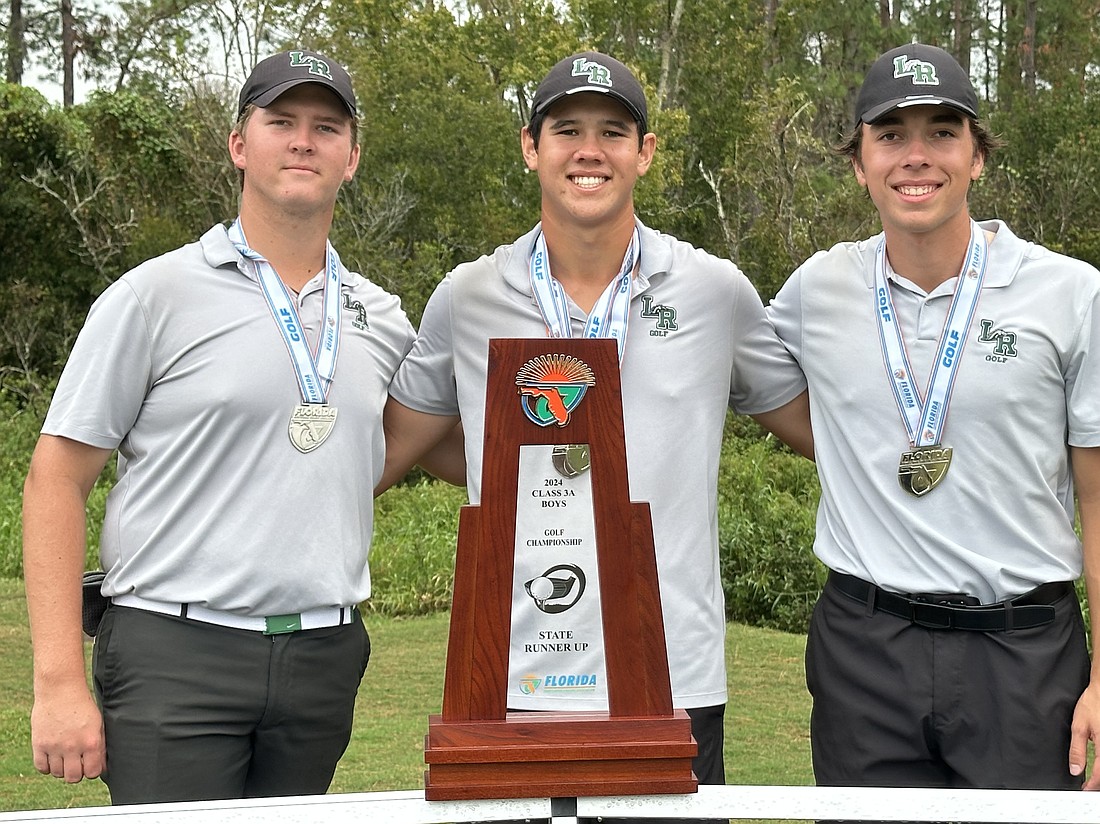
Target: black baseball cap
x,y
282,72
591,72
914,75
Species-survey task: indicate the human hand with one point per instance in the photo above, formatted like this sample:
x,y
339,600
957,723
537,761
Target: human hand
x,y
1085,728
67,734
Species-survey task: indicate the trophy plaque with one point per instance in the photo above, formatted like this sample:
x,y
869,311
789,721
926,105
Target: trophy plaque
x,y
556,534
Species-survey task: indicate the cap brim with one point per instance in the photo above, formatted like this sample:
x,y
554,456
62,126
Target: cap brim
x,y
271,95
545,107
883,109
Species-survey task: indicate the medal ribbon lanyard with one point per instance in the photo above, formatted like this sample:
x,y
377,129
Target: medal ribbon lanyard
x,y
924,417
314,370
610,315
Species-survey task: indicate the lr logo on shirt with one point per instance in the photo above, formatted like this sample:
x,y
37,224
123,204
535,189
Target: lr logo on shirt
x,y
1004,343
360,311
665,316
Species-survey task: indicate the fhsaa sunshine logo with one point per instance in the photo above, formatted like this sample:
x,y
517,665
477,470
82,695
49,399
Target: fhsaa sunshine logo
x,y
552,386
531,684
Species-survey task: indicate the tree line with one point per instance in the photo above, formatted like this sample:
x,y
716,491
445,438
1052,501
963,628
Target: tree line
x,y
747,98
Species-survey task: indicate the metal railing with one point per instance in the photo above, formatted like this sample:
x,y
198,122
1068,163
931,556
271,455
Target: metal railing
x,y
735,801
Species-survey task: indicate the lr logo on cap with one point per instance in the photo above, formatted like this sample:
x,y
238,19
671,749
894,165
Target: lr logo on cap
x,y
315,64
922,72
600,75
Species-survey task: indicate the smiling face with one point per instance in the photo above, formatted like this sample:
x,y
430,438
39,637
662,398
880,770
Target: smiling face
x,y
588,159
296,152
917,164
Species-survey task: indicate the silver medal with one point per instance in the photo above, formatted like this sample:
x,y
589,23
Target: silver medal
x,y
310,425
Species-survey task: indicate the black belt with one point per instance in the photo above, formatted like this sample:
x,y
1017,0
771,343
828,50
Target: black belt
x,y
936,611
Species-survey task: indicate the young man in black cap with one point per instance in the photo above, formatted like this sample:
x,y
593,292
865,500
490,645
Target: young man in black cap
x,y
236,538
955,395
693,342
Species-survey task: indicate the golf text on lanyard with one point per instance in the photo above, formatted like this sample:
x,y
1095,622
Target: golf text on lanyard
x,y
923,467
313,419
608,318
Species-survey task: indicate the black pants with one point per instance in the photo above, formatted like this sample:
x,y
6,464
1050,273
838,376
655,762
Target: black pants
x,y
193,711
897,704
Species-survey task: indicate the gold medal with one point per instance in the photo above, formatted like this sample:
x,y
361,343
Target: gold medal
x,y
310,425
921,470
924,414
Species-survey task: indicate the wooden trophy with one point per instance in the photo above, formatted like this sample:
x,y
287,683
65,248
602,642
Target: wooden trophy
x,y
554,473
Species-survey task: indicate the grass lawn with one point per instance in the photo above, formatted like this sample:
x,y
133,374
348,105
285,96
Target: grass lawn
x,y
767,718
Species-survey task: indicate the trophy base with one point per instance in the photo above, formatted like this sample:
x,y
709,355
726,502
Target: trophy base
x,y
558,754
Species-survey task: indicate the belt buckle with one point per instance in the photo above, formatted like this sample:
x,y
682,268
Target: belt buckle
x,y
929,616
945,599
282,624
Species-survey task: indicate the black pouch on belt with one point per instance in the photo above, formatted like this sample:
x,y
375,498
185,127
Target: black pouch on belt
x,y
94,601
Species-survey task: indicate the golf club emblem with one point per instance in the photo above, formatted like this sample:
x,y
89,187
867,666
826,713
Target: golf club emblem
x,y
557,589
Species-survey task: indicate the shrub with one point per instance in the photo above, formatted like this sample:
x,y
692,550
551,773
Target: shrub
x,y
18,433
19,428
413,551
767,502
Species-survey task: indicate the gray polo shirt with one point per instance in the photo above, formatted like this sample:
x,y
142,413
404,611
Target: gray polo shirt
x,y
181,366
698,344
1028,385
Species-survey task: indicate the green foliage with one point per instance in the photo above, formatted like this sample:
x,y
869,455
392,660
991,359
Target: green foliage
x,y
746,99
440,143
30,130
134,159
1044,181
38,330
412,554
767,500
20,423
136,128
18,433
413,551
36,238
827,47
89,192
